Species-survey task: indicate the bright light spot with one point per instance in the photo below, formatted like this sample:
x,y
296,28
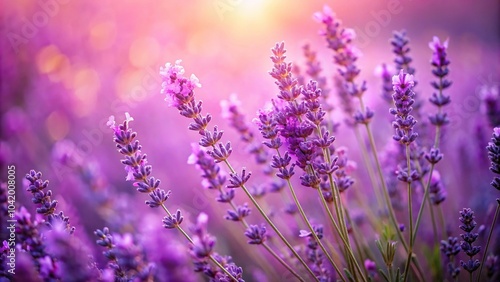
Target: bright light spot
x,y
144,52
86,84
103,35
57,125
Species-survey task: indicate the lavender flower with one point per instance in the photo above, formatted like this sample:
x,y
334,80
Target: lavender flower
x,y
494,156
339,39
73,261
450,249
385,73
46,206
232,112
437,191
125,257
138,170
32,242
491,102
371,267
440,63
403,100
400,46
469,237
180,94
314,254
256,234
202,247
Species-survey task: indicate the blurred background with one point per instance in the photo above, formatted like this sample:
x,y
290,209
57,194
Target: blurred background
x,y
66,66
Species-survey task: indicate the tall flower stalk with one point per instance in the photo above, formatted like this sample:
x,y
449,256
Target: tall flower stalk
x,y
404,134
339,39
179,92
494,156
138,170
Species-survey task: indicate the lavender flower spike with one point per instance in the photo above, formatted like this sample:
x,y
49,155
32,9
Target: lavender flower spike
x,y
403,100
469,237
494,156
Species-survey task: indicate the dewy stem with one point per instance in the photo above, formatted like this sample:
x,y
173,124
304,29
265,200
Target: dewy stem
x,y
191,241
410,213
268,220
489,239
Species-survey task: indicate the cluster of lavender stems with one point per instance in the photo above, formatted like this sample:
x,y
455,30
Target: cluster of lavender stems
x,y
298,148
179,92
139,171
213,179
339,39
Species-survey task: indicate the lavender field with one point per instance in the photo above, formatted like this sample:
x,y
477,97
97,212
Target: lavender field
x,y
238,140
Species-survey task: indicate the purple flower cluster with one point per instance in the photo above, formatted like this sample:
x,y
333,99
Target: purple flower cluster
x,y
437,191
450,248
179,93
137,168
440,63
494,156
314,254
232,112
46,206
125,257
339,39
469,237
403,100
305,237
202,248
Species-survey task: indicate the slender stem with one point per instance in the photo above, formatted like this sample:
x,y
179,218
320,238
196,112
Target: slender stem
x,y
369,167
410,212
344,240
388,201
389,269
306,220
276,256
268,220
339,210
356,241
443,223
392,215
422,205
489,239
191,241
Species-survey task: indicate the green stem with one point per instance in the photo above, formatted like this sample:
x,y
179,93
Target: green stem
x,y
369,167
268,220
339,209
410,212
306,220
422,205
392,216
489,239
344,240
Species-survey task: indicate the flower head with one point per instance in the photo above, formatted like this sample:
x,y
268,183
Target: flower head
x,y
178,89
